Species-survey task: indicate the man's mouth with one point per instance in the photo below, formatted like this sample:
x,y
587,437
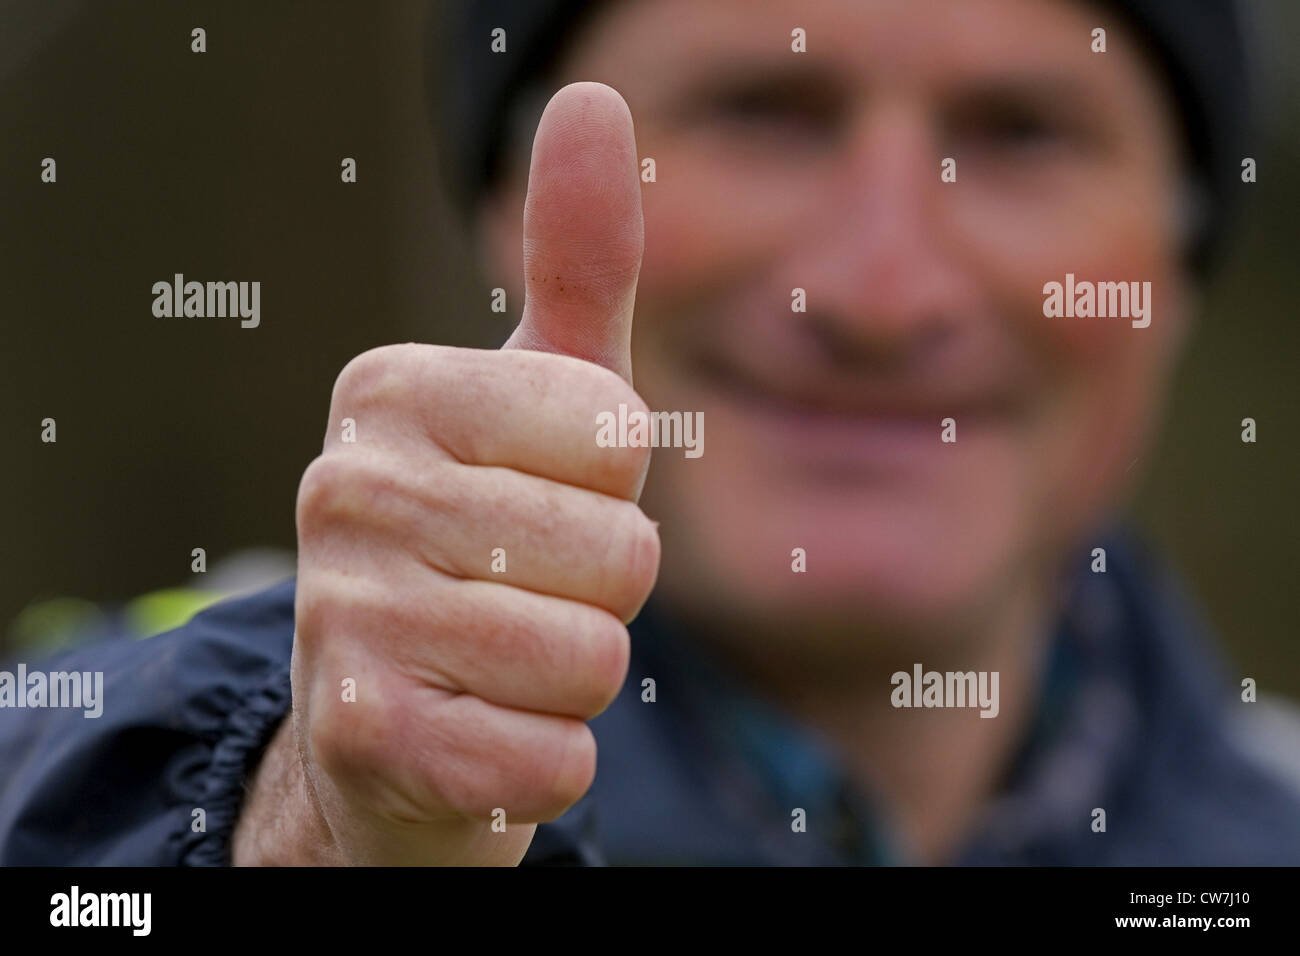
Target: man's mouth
x,y
846,430
850,403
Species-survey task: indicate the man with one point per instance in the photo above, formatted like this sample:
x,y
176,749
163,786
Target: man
x,y
914,466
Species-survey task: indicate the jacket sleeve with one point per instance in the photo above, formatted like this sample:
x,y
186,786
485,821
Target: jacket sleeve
x,y
184,717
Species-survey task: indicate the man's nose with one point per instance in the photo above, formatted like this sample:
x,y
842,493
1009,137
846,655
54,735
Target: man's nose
x,y
879,263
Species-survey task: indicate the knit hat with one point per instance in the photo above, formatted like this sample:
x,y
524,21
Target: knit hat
x,y
1200,46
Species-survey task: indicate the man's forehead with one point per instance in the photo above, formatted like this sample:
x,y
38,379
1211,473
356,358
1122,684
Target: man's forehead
x,y
862,36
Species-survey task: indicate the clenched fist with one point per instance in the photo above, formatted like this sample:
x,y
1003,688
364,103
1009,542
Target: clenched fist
x,y
469,562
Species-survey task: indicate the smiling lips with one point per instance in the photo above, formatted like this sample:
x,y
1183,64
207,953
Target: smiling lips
x,y
851,404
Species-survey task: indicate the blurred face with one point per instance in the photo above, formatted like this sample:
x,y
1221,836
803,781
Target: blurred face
x,y
820,171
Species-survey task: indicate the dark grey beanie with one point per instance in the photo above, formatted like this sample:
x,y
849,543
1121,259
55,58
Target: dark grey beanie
x,y
1200,44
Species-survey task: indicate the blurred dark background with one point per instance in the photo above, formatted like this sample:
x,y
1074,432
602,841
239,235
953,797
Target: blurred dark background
x,y
225,165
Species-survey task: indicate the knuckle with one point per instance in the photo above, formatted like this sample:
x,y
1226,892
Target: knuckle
x,y
311,616
322,492
367,489
457,761
329,603
572,768
378,375
346,741
633,561
628,465
365,748
608,652
469,769
342,676
623,465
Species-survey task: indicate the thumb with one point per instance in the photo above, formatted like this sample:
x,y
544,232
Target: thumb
x,y
583,232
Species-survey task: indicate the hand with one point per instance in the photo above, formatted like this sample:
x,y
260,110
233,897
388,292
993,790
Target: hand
x,y
472,685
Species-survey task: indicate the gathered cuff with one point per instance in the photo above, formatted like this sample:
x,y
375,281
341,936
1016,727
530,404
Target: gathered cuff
x,y
235,754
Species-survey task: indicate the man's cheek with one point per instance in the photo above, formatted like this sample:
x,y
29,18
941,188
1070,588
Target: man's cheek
x,y
1088,318
676,252
1101,415
1087,347
701,231
1096,375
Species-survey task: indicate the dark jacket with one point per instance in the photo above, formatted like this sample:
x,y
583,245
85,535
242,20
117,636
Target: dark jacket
x,y
1135,718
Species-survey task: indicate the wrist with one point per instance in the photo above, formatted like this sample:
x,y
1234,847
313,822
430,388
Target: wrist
x,y
281,823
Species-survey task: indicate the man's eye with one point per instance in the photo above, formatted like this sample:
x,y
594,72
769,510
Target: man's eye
x,y
1010,130
1022,131
750,105
765,113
